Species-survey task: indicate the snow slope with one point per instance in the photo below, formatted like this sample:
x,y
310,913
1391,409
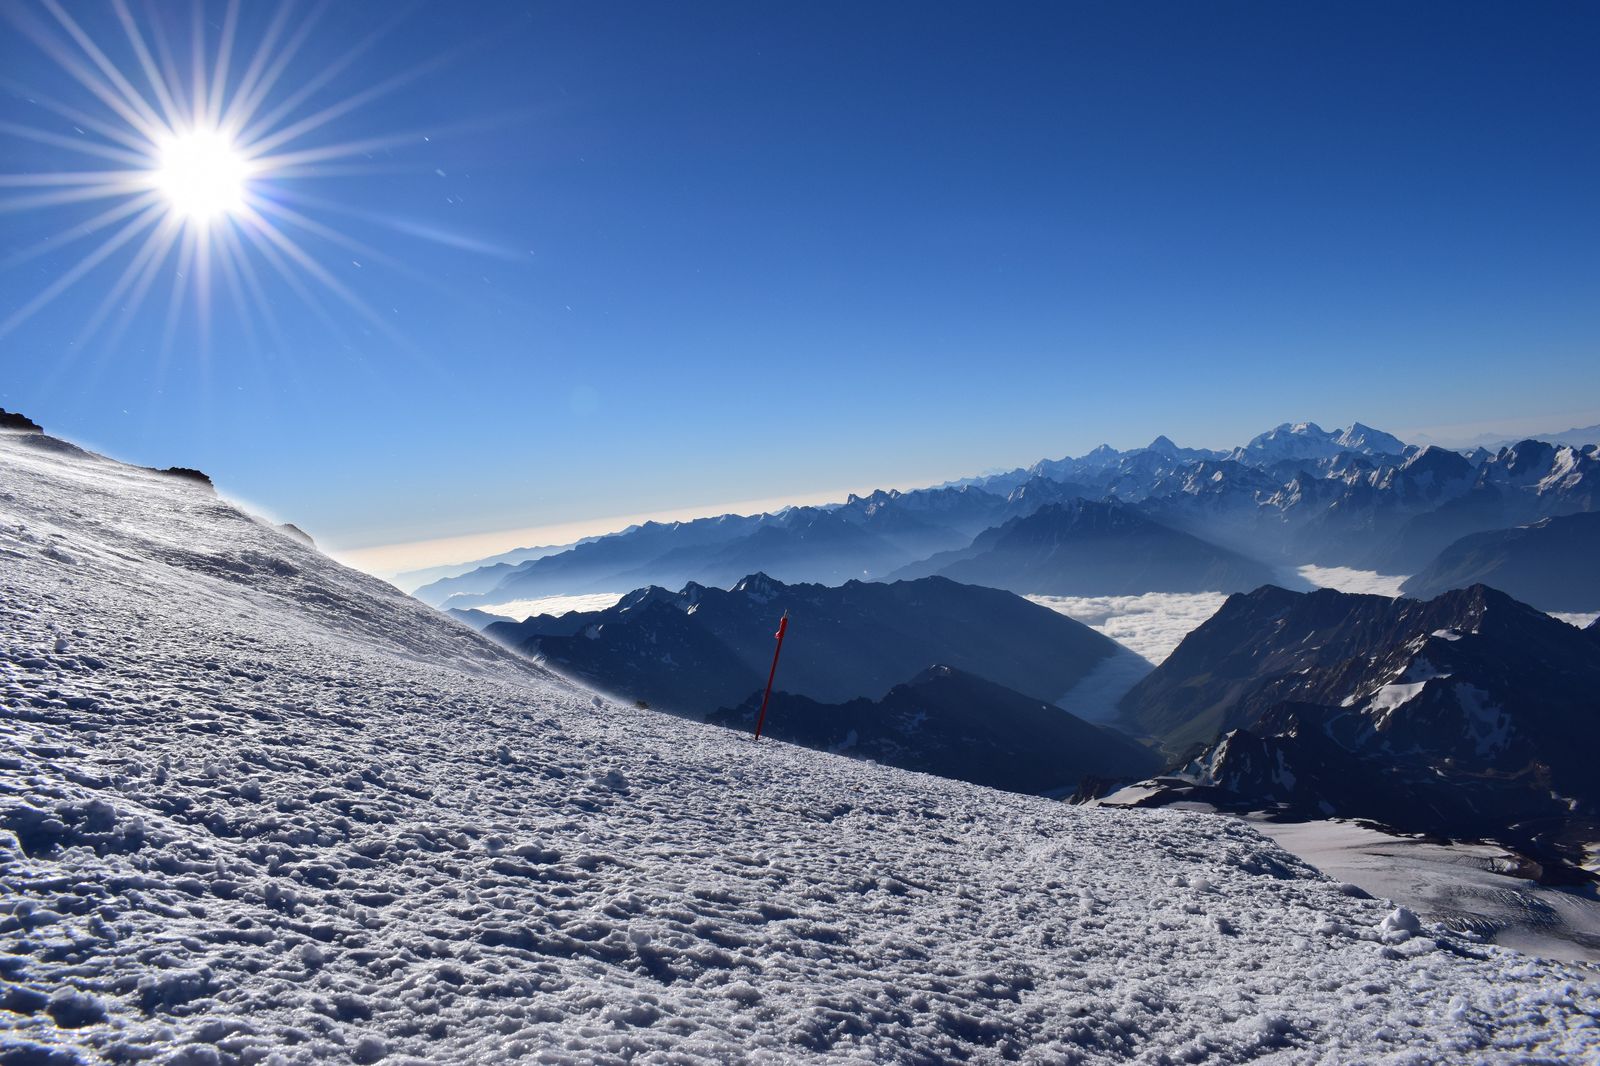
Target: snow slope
x,y
255,807
1470,885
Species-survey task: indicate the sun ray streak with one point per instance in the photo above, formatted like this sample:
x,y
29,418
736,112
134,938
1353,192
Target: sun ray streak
x,y
230,277
202,287
409,229
83,75
156,242
33,28
70,177
351,170
244,107
260,124
343,107
242,100
343,150
286,272
252,282
219,72
129,231
129,94
333,236
71,196
318,272
197,64
88,122
180,287
89,228
169,65
170,231
74,144
147,63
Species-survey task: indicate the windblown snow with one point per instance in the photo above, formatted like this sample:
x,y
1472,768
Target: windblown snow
x,y
255,807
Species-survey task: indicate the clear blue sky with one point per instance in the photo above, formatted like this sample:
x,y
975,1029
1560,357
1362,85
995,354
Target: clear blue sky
x,y
702,253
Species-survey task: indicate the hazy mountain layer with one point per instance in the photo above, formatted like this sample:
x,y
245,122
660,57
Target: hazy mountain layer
x,y
1553,564
704,648
1297,494
1088,548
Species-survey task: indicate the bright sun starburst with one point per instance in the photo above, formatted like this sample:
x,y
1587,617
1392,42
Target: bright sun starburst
x,y
197,156
202,175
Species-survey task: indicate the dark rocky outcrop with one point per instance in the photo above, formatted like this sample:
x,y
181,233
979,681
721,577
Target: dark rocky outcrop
x,y
1470,714
20,422
954,724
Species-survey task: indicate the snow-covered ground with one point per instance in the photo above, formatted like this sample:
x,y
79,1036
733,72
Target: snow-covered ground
x,y
1148,627
256,807
1472,886
517,610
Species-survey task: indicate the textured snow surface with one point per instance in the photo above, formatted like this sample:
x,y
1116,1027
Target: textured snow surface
x,y
258,808
1469,886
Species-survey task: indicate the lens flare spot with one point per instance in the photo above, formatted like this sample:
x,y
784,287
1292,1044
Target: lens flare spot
x,y
202,175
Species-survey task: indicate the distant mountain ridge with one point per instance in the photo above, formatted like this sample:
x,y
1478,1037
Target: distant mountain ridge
x,y
955,724
1354,497
438,576
1577,436
1552,564
1093,548
703,648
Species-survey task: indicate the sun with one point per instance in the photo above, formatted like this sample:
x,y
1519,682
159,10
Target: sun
x,y
202,175
188,162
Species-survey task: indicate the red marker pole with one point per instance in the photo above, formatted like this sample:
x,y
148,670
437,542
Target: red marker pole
x,y
783,627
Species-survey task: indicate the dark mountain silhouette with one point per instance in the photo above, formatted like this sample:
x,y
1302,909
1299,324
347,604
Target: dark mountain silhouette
x,y
703,648
19,422
1553,564
1092,548
1470,714
954,724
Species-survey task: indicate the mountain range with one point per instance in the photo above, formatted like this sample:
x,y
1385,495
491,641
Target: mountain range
x,y
1469,714
1093,548
1296,494
958,725
704,648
